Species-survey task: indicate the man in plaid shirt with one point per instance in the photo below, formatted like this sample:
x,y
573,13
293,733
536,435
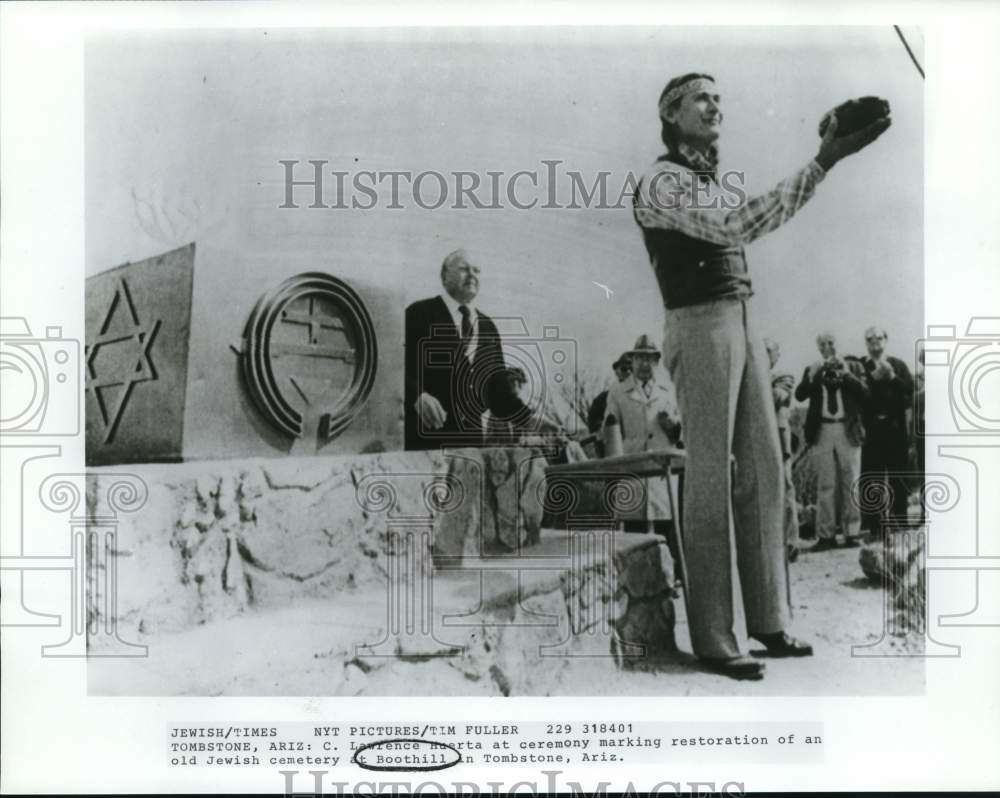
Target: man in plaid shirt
x,y
695,228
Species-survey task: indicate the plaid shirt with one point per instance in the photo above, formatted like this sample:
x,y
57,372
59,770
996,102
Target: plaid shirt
x,y
691,201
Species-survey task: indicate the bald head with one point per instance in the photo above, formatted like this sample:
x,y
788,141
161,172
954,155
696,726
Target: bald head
x,y
826,342
460,276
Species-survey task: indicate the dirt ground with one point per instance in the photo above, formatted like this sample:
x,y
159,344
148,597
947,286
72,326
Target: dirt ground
x,y
308,649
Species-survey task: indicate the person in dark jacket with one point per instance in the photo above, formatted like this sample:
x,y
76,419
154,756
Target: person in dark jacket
x,y
886,450
835,389
454,365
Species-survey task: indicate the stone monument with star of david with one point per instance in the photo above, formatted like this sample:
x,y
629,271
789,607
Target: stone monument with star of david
x,y
194,355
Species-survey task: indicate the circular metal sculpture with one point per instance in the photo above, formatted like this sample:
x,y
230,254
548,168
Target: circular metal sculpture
x,y
310,354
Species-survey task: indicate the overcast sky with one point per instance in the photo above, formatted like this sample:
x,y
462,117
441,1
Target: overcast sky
x,y
184,133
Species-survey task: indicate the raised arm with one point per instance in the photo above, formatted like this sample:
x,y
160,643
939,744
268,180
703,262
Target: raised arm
x,y
668,199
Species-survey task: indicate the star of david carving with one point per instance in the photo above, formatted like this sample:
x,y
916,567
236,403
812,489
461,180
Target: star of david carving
x,y
121,328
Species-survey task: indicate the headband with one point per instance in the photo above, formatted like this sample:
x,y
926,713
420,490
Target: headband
x,y
693,85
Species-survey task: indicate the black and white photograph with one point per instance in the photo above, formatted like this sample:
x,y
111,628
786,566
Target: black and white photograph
x,y
578,402
452,362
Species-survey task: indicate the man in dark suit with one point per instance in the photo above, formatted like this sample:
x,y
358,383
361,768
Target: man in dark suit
x,y
455,367
884,460
836,390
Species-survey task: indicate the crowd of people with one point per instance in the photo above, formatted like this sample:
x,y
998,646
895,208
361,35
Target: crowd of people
x,y
737,512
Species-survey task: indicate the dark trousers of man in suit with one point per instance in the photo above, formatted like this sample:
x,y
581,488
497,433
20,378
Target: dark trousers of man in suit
x,y
884,464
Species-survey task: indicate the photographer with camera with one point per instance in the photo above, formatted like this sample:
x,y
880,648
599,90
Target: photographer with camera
x,y
695,235
835,389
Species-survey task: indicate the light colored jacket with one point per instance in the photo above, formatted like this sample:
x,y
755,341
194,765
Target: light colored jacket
x,y
641,430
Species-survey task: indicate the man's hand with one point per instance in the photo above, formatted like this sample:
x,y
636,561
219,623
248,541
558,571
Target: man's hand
x,y
833,149
883,371
429,410
548,425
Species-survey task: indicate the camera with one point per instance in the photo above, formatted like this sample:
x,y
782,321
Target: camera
x,y
972,364
832,373
546,368
41,381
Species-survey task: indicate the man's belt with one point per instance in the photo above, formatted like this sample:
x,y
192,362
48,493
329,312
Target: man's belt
x,y
832,420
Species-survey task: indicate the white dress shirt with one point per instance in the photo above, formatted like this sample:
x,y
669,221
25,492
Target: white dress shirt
x,y
456,315
838,414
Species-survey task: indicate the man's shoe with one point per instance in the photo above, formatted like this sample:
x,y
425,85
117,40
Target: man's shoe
x,y
852,542
824,544
782,644
736,667
793,552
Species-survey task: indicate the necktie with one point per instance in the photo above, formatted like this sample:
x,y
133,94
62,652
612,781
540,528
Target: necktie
x,y
466,330
466,325
831,401
647,389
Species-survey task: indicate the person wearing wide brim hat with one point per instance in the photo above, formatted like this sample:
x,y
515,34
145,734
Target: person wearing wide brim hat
x,y
647,414
694,234
644,345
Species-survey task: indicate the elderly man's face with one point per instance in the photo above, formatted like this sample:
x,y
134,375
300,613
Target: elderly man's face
x,y
642,365
698,117
827,345
460,279
875,341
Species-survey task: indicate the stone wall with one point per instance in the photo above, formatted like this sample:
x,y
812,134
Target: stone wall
x,y
213,539
518,635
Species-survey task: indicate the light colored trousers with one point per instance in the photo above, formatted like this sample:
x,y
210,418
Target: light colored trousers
x,y
838,467
733,533
791,509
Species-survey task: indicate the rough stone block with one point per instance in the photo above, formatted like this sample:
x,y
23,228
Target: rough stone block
x,y
646,624
645,570
217,538
453,530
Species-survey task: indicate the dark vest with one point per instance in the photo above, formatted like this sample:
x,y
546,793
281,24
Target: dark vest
x,y
691,271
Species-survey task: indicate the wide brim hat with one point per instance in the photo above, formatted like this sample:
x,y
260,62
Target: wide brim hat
x,y
644,345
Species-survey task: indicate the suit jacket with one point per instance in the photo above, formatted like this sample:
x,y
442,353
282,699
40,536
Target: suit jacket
x,y
641,432
435,363
888,400
853,394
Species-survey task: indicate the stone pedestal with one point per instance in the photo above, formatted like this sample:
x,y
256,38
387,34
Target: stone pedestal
x,y
216,539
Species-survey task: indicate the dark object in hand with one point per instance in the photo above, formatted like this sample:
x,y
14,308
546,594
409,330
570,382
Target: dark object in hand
x,y
855,115
670,427
832,373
